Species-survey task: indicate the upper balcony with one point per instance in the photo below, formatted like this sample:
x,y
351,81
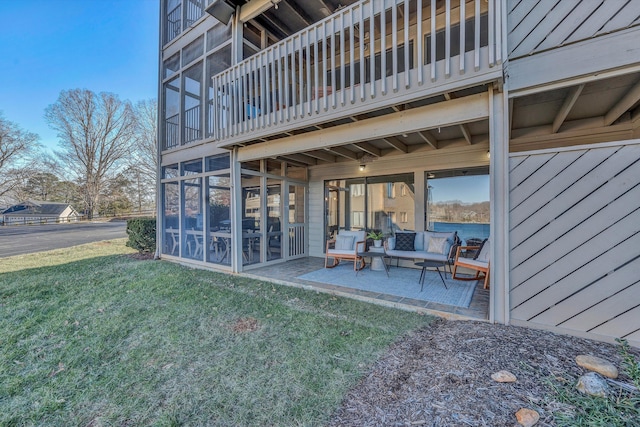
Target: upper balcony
x,y
372,56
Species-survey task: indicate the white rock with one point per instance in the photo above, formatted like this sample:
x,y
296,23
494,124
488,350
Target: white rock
x,y
592,384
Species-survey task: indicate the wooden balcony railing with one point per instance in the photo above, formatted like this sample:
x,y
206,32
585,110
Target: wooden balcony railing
x,y
380,52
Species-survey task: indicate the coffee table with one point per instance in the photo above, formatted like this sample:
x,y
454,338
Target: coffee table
x,y
430,264
381,255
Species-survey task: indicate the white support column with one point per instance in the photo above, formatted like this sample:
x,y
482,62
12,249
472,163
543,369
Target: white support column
x,y
420,202
499,179
236,213
236,38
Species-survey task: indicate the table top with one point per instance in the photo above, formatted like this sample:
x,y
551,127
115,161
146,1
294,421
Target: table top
x,y
372,254
428,263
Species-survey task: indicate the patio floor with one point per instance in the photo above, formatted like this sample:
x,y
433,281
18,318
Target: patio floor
x,y
287,273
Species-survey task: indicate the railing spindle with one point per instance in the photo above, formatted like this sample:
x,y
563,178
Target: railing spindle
x,y
394,44
491,31
325,59
352,71
363,76
433,41
477,37
372,49
462,34
343,90
406,45
333,63
294,87
285,71
447,39
419,39
383,47
308,67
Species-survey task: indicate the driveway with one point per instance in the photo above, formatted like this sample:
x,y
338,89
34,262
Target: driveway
x,y
25,239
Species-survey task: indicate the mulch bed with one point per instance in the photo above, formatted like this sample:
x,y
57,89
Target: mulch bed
x,y
441,376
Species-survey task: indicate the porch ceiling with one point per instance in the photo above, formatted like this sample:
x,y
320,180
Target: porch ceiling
x,y
322,149
594,111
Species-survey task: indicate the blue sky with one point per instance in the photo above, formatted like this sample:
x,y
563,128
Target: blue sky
x,y
468,189
47,46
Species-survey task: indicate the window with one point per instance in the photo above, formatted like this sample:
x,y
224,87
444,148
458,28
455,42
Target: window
x,y
357,190
404,218
458,200
364,203
192,128
358,219
172,25
391,190
219,34
171,65
192,51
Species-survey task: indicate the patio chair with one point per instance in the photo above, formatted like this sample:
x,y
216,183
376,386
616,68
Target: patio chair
x,y
346,246
480,263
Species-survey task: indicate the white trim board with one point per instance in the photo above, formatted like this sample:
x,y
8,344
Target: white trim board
x,y
616,53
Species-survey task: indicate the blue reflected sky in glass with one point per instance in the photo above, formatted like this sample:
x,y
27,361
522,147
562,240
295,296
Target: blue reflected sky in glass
x,y
468,189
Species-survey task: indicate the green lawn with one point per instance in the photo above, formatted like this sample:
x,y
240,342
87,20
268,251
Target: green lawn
x,y
89,336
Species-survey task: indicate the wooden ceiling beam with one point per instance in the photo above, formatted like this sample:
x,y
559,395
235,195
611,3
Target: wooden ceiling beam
x,y
463,127
322,155
368,148
302,158
621,107
428,138
397,144
344,152
567,105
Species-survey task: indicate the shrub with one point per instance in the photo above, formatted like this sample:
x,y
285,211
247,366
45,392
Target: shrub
x,y
142,234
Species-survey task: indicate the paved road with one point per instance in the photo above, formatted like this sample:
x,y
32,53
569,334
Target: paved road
x,y
17,240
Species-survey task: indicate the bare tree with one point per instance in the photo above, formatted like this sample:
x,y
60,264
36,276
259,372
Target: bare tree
x,y
145,153
16,147
143,161
96,133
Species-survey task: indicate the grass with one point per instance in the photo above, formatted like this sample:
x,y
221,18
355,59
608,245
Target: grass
x,y
90,337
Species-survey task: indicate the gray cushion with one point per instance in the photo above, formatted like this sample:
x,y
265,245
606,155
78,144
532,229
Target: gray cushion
x,y
405,241
438,244
344,242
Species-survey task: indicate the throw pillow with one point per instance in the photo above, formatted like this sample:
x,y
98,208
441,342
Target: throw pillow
x,y
484,252
429,234
391,243
405,241
344,243
437,245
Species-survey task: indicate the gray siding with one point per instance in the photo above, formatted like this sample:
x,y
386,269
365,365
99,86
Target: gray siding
x,y
536,26
575,257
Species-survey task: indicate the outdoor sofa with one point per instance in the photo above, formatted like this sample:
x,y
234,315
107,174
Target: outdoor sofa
x,y
423,246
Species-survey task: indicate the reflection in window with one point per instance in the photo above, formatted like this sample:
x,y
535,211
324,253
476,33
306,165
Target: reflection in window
x,y
193,219
369,203
192,103
251,221
172,113
219,219
459,201
171,218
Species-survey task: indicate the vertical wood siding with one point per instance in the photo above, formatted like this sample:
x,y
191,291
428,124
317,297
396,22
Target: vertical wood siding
x,y
538,25
575,240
